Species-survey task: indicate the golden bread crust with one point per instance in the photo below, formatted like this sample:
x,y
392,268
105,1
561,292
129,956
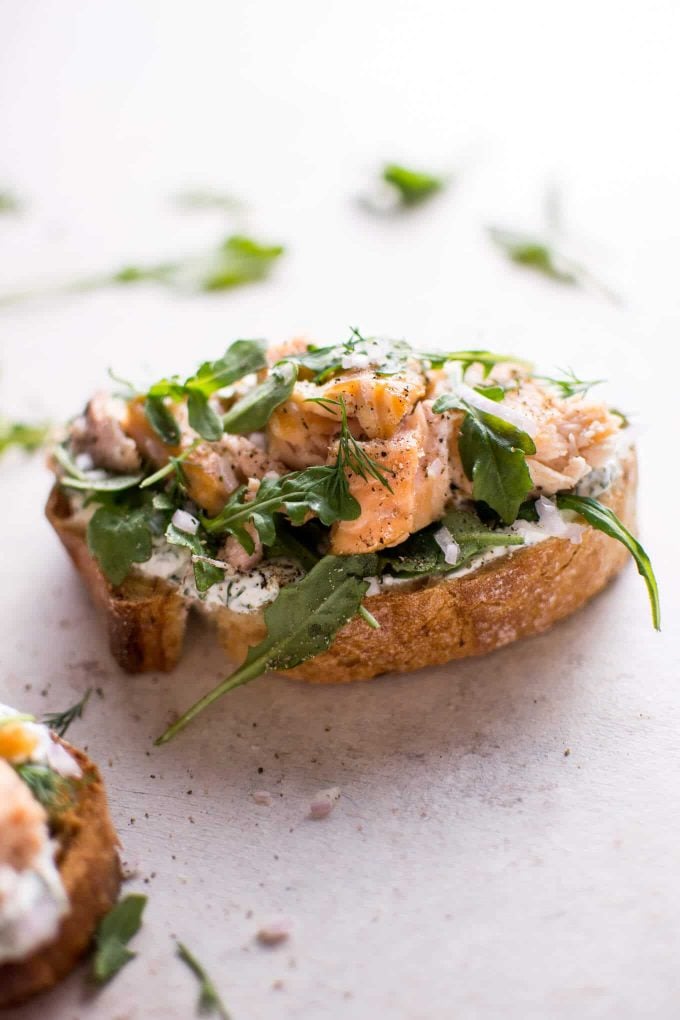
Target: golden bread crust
x,y
90,871
514,596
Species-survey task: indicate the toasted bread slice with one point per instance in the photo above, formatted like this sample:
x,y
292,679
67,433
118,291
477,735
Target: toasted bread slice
x,y
90,872
514,596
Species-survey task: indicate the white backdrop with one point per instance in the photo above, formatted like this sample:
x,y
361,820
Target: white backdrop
x,y
470,869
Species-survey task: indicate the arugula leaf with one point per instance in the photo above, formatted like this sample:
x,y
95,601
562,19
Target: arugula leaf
x,y
112,936
202,418
301,623
23,436
209,1001
161,419
60,721
569,385
205,574
241,358
536,254
493,454
421,555
253,411
174,465
487,359
605,520
54,792
414,186
290,542
117,538
321,490
240,260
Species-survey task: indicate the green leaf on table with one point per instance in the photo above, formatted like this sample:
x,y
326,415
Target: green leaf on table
x,y
209,1001
537,254
119,538
301,623
113,934
21,436
413,186
240,260
60,721
605,520
253,411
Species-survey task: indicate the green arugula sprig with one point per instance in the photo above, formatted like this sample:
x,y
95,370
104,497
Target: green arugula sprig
x,y
91,481
605,520
60,721
242,358
493,453
414,186
253,411
209,1001
112,936
421,554
301,623
322,490
9,202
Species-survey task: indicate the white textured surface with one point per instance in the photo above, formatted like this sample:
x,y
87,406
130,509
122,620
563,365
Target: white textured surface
x,y
470,869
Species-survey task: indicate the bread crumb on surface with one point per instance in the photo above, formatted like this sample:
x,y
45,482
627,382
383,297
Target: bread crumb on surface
x,y
274,931
323,802
263,797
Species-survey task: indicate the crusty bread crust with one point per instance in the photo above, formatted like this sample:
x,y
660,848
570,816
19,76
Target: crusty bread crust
x,y
90,871
514,596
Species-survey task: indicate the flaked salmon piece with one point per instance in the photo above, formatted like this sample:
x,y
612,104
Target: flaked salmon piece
x,y
572,436
417,456
99,432
23,821
298,435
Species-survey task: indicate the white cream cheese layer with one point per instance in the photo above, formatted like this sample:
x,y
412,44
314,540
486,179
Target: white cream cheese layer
x,y
32,900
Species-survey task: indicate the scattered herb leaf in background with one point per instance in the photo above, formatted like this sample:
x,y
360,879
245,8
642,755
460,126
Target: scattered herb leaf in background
x,y
60,721
9,203
22,436
113,934
414,186
209,1001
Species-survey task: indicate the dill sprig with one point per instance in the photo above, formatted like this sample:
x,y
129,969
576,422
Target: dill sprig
x,y
351,454
60,721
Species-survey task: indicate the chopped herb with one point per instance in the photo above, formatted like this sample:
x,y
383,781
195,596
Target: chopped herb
x,y
54,792
493,454
113,934
22,436
118,538
301,623
253,411
60,721
414,186
569,385
209,1001
605,520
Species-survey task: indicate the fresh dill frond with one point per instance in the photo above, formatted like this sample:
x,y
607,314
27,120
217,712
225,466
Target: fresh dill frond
x,y
60,721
